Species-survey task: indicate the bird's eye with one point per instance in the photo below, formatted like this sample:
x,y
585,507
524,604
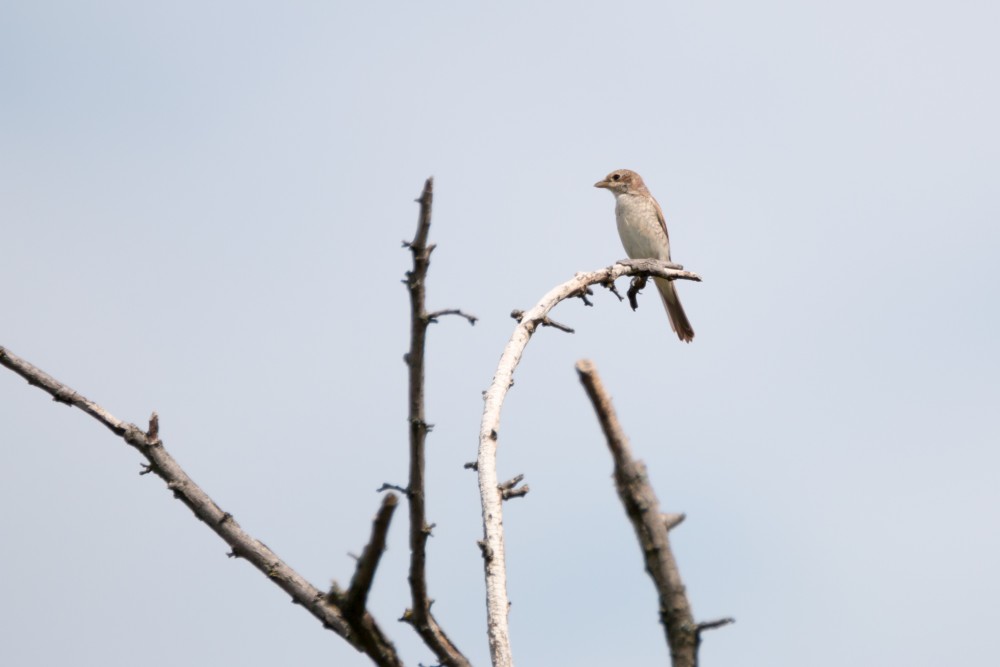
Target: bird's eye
x,y
616,177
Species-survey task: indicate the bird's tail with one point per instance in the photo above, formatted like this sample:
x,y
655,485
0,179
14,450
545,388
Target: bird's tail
x,y
675,311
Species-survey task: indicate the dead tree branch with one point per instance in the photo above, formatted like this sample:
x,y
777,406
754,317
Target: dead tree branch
x,y
437,314
545,321
490,493
363,633
419,615
643,509
356,599
510,488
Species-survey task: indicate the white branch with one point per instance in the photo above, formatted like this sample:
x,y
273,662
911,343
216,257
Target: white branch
x,y
490,494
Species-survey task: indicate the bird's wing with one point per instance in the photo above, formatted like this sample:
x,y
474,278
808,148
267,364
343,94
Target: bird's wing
x,y
663,221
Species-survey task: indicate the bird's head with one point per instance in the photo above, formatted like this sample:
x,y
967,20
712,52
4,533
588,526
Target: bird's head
x,y
622,181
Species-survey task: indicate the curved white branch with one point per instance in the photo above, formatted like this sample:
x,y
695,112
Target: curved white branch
x,y
489,491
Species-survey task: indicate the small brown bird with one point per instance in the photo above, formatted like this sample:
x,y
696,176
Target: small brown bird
x,y
643,231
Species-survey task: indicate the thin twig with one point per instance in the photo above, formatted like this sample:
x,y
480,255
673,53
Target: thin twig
x,y
510,488
610,285
712,625
364,634
545,321
672,520
419,615
642,507
491,498
585,292
433,317
511,483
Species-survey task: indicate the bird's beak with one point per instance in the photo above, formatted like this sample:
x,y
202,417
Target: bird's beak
x,y
602,184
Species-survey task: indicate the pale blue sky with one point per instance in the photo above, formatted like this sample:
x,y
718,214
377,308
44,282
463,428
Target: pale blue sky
x,y
201,208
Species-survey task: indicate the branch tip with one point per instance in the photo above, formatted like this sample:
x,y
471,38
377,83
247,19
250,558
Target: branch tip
x,y
519,492
509,489
544,321
651,527
422,620
511,483
153,432
547,322
671,520
609,284
356,598
433,317
712,625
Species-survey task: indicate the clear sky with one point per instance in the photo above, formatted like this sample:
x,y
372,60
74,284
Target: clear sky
x,y
201,209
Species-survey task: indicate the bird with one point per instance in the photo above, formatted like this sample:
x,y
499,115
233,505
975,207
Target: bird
x,y
643,231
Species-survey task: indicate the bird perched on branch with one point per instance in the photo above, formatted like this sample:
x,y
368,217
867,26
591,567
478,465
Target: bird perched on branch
x,y
643,231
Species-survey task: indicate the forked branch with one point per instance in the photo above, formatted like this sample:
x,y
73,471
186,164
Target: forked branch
x,y
362,631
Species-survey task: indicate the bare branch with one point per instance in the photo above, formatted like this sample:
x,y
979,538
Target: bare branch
x,y
494,562
712,625
511,483
433,317
585,291
364,573
519,492
364,634
545,321
610,286
419,615
642,507
671,520
509,489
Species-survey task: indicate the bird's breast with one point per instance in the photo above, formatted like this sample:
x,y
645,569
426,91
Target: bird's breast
x,y
639,228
